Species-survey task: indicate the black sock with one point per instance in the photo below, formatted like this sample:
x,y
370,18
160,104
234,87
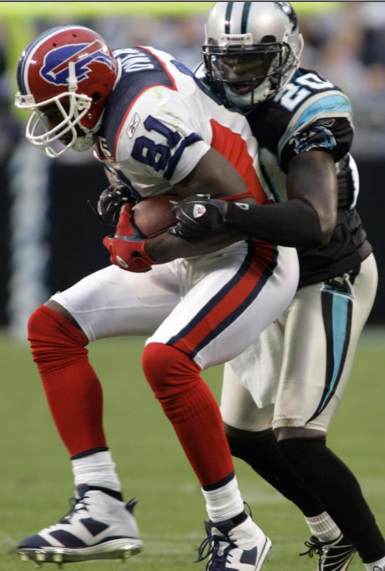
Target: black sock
x,y
261,452
83,488
339,492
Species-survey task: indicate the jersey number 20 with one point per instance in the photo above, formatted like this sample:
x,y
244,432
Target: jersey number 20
x,y
295,93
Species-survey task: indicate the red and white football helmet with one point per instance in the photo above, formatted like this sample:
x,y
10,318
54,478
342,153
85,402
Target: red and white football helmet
x,y
65,77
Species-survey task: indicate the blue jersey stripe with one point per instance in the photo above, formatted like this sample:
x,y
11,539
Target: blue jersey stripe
x,y
129,87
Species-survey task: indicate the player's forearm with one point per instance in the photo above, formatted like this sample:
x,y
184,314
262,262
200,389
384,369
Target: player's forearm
x,y
165,247
312,178
294,223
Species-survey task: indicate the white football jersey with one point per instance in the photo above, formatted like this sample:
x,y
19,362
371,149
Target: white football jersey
x,y
160,121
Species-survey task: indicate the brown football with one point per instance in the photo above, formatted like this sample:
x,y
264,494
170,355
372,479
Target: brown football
x,y
154,215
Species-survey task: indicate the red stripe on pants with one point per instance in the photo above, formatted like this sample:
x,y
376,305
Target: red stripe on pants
x,y
229,303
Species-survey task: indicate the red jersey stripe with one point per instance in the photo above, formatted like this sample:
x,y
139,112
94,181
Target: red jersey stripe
x,y
234,149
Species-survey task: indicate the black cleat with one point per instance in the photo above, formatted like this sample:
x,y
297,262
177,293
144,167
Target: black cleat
x,y
333,555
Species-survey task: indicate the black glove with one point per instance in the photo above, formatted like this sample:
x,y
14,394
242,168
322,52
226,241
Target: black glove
x,y
110,202
198,216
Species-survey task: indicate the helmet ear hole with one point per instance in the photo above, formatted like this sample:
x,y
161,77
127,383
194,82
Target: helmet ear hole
x,y
268,39
96,96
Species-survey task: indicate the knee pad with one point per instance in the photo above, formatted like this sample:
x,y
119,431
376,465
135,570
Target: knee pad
x,y
54,339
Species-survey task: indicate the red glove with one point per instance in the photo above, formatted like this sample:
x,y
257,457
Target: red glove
x,y
126,248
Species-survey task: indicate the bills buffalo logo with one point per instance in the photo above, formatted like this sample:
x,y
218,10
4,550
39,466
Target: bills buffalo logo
x,y
55,68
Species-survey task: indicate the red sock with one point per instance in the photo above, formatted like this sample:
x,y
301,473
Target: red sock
x,y
192,409
72,388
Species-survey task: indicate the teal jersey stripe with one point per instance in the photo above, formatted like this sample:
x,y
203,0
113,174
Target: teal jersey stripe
x,y
331,105
337,309
340,317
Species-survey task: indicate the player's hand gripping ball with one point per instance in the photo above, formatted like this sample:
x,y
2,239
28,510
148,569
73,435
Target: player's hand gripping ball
x,y
199,216
155,215
127,246
111,201
136,224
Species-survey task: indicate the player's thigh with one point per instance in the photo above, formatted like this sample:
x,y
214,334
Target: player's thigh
x,y
238,407
238,296
258,367
113,302
322,330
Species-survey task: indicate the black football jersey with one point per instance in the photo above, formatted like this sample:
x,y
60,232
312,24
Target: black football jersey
x,y
311,113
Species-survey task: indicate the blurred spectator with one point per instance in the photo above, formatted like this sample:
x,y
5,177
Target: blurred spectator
x,y
181,36
347,45
373,48
339,58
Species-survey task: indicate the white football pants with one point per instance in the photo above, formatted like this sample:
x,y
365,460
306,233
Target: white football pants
x,y
295,374
211,307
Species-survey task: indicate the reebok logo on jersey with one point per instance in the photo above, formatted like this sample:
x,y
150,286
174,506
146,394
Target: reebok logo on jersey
x,y
133,125
199,210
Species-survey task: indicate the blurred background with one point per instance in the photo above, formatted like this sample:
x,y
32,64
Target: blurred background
x,y
49,237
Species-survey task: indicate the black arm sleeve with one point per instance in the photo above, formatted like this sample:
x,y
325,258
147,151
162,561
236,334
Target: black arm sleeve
x,y
293,223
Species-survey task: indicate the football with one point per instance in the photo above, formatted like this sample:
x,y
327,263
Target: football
x,y
154,215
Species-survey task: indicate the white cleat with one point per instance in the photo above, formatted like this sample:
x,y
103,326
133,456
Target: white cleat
x,y
223,546
99,526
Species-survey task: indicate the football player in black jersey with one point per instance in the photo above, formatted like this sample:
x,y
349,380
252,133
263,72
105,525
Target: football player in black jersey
x,y
280,395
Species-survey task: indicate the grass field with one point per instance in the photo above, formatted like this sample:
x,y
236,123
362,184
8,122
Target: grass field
x,y
36,478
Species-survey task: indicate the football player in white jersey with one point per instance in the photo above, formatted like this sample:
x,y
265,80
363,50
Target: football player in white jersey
x,y
158,131
293,379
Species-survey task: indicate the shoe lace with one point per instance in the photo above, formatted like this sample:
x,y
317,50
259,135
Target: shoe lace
x,y
76,505
314,548
209,549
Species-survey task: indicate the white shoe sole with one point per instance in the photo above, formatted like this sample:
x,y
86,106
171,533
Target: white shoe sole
x,y
266,549
114,549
